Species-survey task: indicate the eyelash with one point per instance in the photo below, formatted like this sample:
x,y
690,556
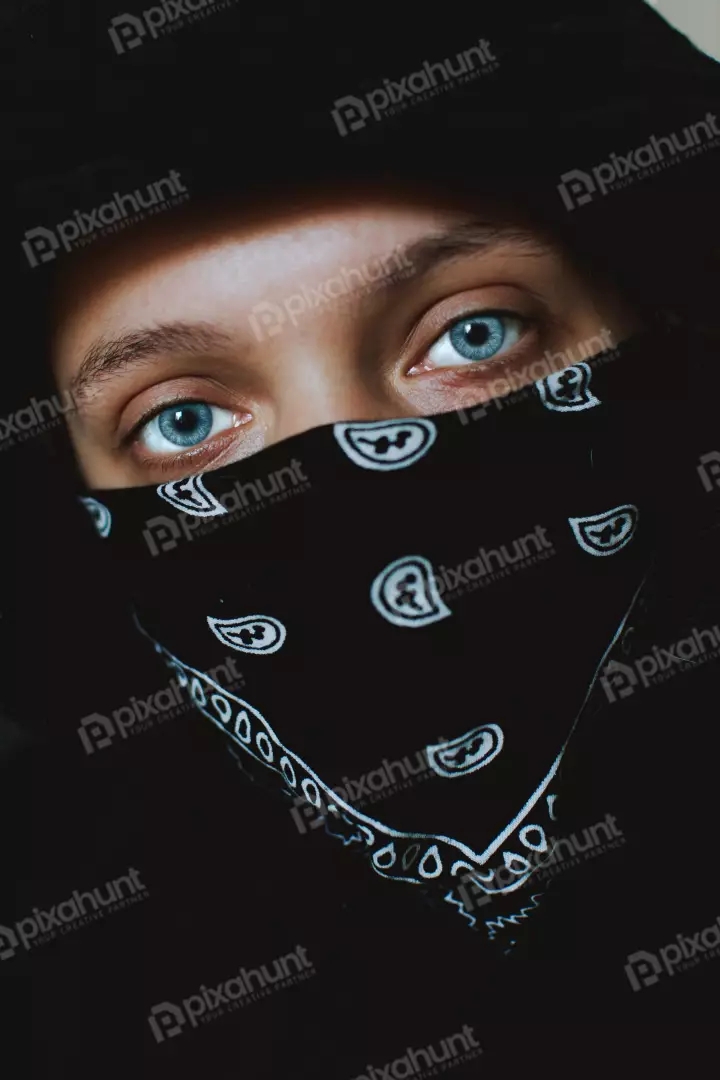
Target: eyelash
x,y
526,323
166,462
169,463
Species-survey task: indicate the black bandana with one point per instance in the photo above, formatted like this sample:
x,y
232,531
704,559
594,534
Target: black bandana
x,y
451,586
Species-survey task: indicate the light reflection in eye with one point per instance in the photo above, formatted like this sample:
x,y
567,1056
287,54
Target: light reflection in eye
x,y
476,338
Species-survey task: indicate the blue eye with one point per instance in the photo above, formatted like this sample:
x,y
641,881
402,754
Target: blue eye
x,y
184,425
474,339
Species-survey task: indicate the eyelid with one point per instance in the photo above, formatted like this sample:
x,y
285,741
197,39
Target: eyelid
x,y
205,454
168,463
182,399
176,387
150,415
528,321
479,298
509,313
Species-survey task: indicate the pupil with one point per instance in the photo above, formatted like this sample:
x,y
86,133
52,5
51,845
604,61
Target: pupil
x,y
479,337
185,420
186,425
477,333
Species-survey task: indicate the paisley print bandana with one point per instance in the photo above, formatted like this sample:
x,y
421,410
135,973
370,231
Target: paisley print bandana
x,y
442,589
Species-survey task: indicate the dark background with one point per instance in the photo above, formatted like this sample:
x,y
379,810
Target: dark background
x,y
239,102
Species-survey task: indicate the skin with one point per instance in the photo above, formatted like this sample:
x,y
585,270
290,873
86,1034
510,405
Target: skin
x,y
380,350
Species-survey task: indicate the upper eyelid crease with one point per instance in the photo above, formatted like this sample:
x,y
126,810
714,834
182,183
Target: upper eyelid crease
x,y
135,431
472,312
170,403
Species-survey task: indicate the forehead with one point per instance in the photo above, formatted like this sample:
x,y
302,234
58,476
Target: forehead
x,y
217,265
304,226
188,233
184,259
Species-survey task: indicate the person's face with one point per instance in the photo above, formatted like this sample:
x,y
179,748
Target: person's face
x,y
191,348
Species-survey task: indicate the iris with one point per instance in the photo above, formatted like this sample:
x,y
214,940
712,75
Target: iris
x,y
186,425
479,337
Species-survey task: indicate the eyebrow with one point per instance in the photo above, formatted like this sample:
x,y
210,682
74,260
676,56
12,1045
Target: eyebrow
x,y
109,358
471,238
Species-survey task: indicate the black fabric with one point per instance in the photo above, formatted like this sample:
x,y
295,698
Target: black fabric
x,y
362,646
605,964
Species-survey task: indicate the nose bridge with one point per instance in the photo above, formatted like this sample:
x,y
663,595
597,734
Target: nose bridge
x,y
319,386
